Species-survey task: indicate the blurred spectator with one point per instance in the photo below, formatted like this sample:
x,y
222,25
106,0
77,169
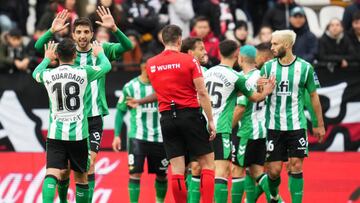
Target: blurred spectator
x,y
132,59
180,13
141,17
14,13
116,11
240,34
13,56
306,43
354,34
256,10
349,12
278,17
211,10
156,46
35,56
335,48
102,34
54,8
202,30
264,35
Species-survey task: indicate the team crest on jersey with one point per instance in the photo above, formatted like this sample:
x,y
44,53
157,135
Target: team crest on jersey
x,y
283,88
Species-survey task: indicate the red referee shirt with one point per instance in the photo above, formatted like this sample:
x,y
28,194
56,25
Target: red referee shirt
x,y
171,74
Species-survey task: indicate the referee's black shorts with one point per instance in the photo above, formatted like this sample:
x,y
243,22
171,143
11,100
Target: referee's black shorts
x,y
187,133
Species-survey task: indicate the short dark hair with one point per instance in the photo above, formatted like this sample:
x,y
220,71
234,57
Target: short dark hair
x,y
241,24
265,46
66,50
84,22
171,34
228,47
189,44
15,32
199,19
356,16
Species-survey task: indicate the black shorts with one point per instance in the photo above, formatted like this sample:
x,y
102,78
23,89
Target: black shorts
x,y
59,153
247,152
281,145
154,153
184,134
222,146
95,132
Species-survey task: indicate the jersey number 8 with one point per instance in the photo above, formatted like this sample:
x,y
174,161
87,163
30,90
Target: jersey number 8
x,y
71,92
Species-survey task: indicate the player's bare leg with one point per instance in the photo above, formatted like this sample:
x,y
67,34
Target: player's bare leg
x,y
82,187
238,183
194,183
222,173
177,179
274,170
49,185
296,180
134,187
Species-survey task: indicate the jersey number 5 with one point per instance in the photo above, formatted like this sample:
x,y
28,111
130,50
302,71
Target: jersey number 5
x,y
211,86
72,99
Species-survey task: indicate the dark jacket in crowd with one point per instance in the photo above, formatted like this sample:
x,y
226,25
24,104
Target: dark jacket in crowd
x,y
276,17
348,15
306,43
143,17
8,56
333,51
17,11
355,41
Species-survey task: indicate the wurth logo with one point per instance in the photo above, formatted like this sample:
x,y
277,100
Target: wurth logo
x,y
283,88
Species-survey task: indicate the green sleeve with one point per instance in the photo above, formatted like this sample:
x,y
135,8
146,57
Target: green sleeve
x,y
243,87
98,71
309,107
312,82
39,70
114,50
121,109
263,70
45,38
242,101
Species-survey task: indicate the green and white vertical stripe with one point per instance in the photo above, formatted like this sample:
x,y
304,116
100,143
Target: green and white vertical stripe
x,y
144,120
285,106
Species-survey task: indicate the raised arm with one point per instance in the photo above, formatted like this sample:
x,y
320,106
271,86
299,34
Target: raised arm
x,y
240,108
57,25
121,109
104,65
48,57
113,50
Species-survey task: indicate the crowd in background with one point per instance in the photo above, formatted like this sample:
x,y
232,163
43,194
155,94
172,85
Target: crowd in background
x,y
245,21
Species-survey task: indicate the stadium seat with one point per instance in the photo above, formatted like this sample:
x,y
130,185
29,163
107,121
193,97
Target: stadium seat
x,y
313,3
313,22
329,12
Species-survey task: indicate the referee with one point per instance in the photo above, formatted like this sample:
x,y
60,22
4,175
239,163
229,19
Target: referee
x,y
179,86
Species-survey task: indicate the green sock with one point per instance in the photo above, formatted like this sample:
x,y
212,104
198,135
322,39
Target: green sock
x,y
237,189
296,185
134,190
82,193
221,190
49,188
194,190
249,189
263,185
161,189
274,187
91,180
63,186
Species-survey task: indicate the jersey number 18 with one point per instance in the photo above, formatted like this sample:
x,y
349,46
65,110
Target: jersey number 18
x,y
71,100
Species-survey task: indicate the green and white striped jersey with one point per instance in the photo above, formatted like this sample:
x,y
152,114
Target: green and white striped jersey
x,y
96,98
223,84
252,123
145,119
285,106
66,87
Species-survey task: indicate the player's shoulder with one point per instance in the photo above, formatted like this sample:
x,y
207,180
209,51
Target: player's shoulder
x,y
131,83
270,62
301,60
